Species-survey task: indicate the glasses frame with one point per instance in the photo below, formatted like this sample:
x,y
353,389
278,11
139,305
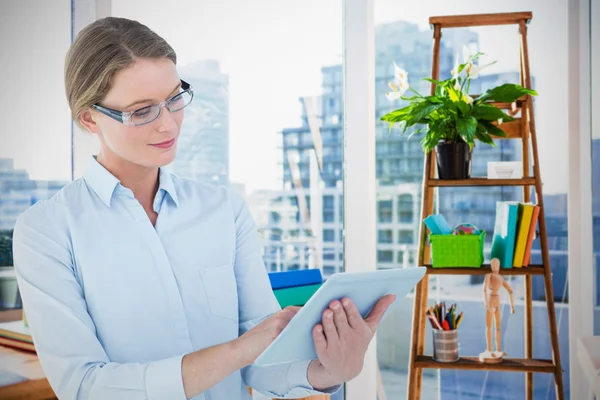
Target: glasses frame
x,y
124,117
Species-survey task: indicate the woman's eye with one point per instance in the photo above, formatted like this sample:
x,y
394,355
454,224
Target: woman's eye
x,y
143,113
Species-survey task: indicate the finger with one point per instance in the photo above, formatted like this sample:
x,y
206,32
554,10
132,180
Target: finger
x,y
328,326
319,339
378,310
355,320
339,317
288,313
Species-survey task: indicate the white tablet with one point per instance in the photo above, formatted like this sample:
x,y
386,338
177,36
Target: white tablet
x,y
295,343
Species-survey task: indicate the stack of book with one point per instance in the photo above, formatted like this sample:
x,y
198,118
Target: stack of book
x,y
15,334
294,288
514,232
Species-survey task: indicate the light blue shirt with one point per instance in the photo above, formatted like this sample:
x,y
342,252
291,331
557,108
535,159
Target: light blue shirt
x,y
114,303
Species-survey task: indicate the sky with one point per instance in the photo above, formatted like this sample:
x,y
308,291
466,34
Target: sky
x,y
273,51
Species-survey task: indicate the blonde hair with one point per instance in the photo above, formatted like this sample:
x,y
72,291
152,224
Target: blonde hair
x,y
102,49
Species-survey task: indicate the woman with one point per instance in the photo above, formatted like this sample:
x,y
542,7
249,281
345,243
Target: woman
x,y
138,284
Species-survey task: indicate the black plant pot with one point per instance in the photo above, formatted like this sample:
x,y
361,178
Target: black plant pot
x,y
453,160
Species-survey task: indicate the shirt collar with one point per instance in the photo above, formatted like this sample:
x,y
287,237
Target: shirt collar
x,y
166,183
104,183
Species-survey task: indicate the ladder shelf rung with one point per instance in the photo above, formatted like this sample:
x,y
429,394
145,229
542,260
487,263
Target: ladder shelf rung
x,y
459,21
473,363
482,181
485,269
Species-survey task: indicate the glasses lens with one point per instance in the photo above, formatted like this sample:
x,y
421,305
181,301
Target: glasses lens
x,y
145,115
179,101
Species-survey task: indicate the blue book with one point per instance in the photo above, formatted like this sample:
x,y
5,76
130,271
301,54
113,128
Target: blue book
x,y
437,225
505,231
288,279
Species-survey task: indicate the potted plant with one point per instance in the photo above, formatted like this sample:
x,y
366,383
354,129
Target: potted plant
x,y
452,118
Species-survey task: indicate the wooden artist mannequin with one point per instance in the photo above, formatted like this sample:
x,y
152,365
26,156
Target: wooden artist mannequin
x,y
494,282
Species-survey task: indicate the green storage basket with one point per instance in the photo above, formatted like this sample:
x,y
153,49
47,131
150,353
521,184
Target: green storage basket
x,y
457,250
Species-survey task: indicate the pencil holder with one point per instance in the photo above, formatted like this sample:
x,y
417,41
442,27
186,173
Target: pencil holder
x,y
445,345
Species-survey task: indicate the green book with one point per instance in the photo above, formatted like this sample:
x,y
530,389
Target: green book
x,y
295,296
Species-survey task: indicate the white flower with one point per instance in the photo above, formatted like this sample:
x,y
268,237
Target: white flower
x,y
400,84
468,68
500,120
391,96
468,99
454,71
400,75
474,70
466,53
457,85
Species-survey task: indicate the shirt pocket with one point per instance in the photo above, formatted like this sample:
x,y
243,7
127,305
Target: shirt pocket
x,y
220,287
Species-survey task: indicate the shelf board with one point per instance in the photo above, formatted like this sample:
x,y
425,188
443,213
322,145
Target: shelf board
x,y
459,21
485,269
481,181
473,363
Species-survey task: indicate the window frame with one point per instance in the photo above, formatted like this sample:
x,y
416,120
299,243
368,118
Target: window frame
x,y
359,200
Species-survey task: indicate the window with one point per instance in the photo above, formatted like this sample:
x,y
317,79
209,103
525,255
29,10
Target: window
x,y
235,77
328,270
595,90
328,216
405,237
385,236
291,139
328,235
385,256
401,256
29,173
384,211
403,35
405,208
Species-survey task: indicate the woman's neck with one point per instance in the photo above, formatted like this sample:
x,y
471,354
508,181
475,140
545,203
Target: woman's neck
x,y
142,181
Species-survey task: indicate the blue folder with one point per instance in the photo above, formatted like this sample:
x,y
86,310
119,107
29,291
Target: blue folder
x,y
288,279
503,242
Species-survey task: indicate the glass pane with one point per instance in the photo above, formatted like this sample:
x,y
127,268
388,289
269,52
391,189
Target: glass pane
x,y
35,143
403,36
266,116
595,49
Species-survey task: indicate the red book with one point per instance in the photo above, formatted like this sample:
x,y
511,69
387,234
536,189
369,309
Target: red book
x,y
531,236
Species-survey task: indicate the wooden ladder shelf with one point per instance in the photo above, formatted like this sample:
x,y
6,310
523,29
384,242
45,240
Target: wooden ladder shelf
x,y
523,129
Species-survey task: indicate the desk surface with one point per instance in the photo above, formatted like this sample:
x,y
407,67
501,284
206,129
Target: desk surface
x,y
21,376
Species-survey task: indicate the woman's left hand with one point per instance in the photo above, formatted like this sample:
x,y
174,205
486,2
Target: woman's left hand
x,y
342,339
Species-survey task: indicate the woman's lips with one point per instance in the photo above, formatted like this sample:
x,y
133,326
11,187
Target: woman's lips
x,y
165,145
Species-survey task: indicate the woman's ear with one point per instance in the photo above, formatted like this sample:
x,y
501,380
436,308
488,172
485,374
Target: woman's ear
x,y
87,119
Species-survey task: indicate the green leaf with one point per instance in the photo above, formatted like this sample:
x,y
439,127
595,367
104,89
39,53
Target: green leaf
x,y
434,81
483,136
420,111
466,128
488,112
493,129
506,93
397,115
415,132
460,101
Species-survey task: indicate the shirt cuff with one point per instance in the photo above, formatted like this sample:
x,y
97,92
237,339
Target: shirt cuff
x,y
299,384
164,379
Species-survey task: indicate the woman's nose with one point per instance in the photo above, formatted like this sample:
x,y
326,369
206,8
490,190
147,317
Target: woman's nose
x,y
166,120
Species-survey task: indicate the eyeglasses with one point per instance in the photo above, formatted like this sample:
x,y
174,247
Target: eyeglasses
x,y
148,114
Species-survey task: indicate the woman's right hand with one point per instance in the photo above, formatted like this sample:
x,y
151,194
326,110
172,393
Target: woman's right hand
x,y
252,343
